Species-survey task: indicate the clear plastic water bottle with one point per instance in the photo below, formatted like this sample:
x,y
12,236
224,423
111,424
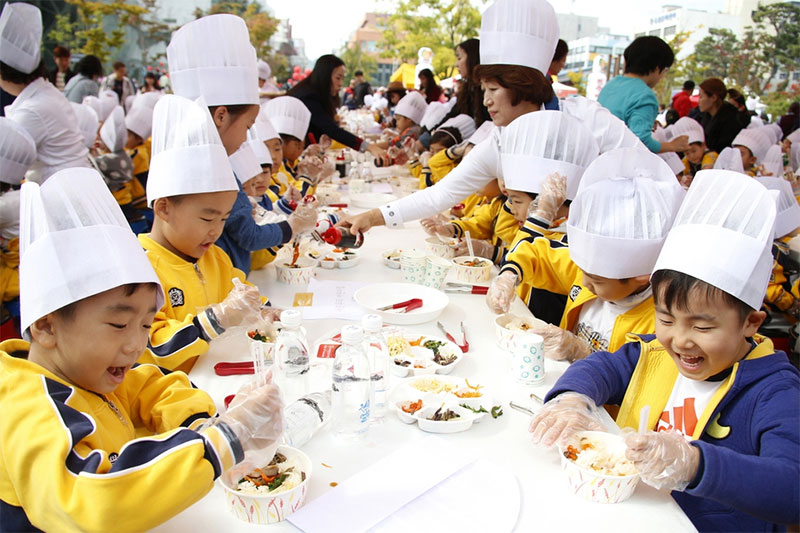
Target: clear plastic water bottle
x,y
291,360
304,417
378,356
351,386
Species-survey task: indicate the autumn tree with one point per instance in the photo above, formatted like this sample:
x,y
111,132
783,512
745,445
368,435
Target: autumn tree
x,y
356,59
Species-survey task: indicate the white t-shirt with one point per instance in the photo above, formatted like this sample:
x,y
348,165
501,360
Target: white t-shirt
x,y
597,318
688,400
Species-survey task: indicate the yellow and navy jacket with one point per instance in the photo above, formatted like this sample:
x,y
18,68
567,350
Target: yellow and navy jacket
x,y
471,203
9,271
490,222
779,296
748,435
289,171
182,329
439,166
706,162
140,156
261,258
70,459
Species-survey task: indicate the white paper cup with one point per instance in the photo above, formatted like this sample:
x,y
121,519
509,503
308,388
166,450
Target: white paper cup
x,y
527,362
413,264
436,269
439,248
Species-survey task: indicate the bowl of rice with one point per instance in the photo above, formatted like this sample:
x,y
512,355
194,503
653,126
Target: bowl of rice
x,y
508,328
269,494
440,248
472,269
597,469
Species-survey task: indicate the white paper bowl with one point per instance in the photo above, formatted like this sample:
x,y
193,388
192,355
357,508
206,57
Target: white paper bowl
x,y
328,263
269,508
296,276
260,350
507,338
451,426
347,261
381,294
439,248
471,274
594,486
389,261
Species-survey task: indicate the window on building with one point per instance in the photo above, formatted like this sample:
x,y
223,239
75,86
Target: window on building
x,y
669,31
783,75
796,76
655,33
639,35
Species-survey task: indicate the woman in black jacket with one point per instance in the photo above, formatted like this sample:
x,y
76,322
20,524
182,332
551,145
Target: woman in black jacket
x,y
719,118
320,94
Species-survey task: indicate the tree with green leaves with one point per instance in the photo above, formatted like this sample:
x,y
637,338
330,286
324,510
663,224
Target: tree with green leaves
x,y
355,59
715,53
778,32
676,74
150,31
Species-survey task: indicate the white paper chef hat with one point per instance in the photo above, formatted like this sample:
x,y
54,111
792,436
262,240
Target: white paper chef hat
x,y
129,102
289,116
74,243
245,163
368,100
723,235
140,121
147,100
788,216
88,122
609,131
689,127
264,70
463,123
774,131
660,134
187,154
757,140
673,161
412,106
729,159
755,122
259,148
434,114
263,125
537,144
94,103
773,161
21,36
17,151
625,205
113,132
483,132
107,101
212,57
519,32
795,159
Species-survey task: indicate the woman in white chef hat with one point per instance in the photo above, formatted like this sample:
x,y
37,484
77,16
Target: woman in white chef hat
x,y
39,107
518,39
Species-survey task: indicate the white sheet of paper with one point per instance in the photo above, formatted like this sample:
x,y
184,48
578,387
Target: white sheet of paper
x,y
367,498
334,299
382,187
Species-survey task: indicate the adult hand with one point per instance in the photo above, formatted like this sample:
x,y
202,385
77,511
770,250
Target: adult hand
x,y
362,222
380,154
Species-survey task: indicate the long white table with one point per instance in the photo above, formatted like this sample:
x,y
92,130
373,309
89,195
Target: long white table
x,y
547,502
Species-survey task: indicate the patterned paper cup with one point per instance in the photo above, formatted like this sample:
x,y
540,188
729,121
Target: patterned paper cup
x,y
412,264
472,274
300,275
528,359
436,269
267,508
439,248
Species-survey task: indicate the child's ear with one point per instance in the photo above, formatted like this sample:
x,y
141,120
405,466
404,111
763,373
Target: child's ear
x,y
43,331
161,209
753,322
219,115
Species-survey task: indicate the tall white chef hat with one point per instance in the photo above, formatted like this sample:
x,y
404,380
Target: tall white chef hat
x,y
94,103
187,154
625,205
483,132
537,144
147,100
129,102
289,116
689,127
737,214
88,122
212,57
74,243
788,216
17,151
259,148
609,131
757,140
106,102
264,70
773,161
434,114
140,121
774,131
519,32
263,125
412,106
113,132
729,159
673,161
21,36
463,123
245,163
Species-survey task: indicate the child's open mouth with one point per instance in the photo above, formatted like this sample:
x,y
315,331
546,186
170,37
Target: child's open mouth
x,y
117,373
691,363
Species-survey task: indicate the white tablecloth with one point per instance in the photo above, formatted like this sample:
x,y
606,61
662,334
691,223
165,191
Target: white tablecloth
x,y
547,502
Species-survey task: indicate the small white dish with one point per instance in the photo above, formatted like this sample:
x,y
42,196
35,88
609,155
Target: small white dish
x,y
463,423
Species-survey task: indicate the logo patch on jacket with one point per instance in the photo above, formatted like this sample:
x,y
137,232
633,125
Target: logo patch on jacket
x,y
175,297
574,292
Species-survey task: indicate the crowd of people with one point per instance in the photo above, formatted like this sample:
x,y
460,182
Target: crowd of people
x,y
657,256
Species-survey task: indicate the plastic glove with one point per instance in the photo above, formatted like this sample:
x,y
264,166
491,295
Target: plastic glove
x,y
563,416
409,146
424,157
271,314
551,197
313,168
397,155
560,344
664,459
292,195
303,220
437,225
481,248
241,304
501,292
325,143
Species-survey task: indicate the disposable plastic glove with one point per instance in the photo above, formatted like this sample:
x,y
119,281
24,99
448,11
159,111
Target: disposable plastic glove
x,y
325,143
563,416
409,146
242,304
312,168
424,157
501,292
437,225
303,220
292,195
483,249
551,197
664,459
560,344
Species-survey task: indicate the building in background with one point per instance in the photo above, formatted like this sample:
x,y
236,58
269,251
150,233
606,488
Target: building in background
x,y
743,10
573,27
368,36
583,51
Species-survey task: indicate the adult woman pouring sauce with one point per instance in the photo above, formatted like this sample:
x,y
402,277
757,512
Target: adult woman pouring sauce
x,y
320,94
518,39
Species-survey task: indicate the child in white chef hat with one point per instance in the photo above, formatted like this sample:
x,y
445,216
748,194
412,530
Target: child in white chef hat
x,y
752,145
74,399
723,427
115,164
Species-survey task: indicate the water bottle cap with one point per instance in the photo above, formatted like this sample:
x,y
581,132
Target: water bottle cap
x,y
352,334
372,322
291,318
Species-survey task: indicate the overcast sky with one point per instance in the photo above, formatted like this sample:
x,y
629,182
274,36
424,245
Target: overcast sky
x,y
326,25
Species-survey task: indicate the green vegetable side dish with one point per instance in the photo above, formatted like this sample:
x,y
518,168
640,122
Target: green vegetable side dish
x,y
497,410
277,482
433,346
438,358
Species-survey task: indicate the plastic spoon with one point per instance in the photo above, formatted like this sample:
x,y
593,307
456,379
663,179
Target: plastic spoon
x,y
469,244
644,415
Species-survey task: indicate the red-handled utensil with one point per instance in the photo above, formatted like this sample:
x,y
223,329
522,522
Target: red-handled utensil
x,y
404,307
234,369
467,289
464,344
